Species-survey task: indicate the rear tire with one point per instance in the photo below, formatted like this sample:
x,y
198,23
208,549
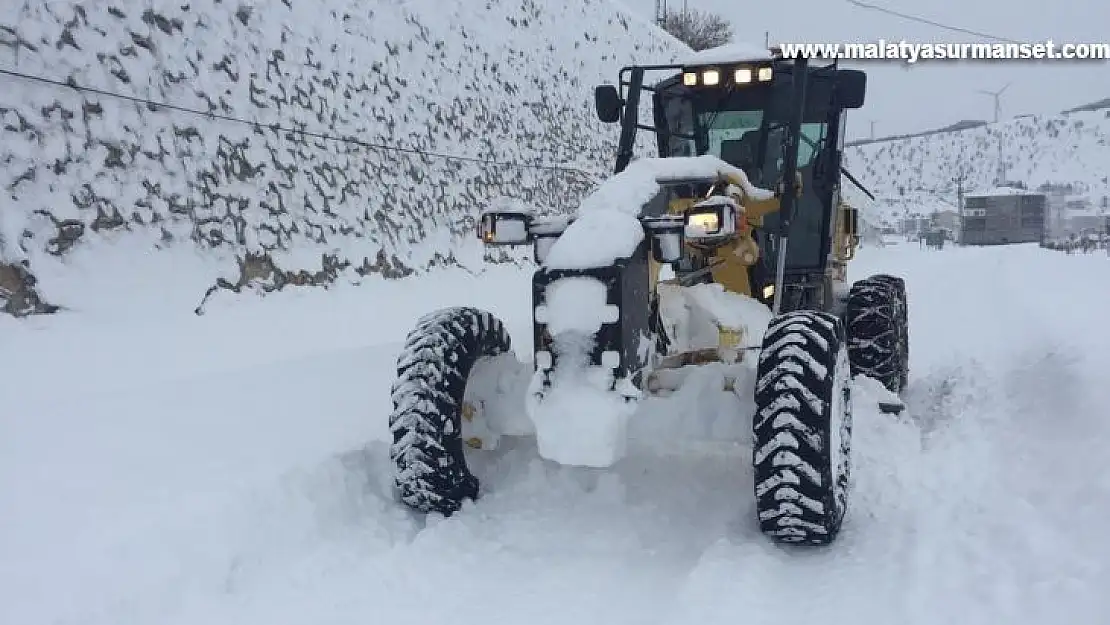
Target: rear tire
x,y
878,330
902,304
803,428
430,472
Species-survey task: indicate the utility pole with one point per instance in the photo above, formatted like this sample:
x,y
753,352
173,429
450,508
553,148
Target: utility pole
x,y
1001,173
960,204
661,12
767,39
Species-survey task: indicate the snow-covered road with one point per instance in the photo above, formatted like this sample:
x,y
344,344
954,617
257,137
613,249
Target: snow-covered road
x,y
232,469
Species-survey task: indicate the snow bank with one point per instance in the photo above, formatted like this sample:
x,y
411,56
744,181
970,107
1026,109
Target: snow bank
x,y
504,82
608,227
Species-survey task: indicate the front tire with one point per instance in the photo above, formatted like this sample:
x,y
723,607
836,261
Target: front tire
x,y
802,428
430,471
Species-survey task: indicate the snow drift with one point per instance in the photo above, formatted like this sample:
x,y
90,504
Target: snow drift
x,y
319,145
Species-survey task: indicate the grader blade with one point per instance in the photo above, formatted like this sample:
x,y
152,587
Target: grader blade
x,y
671,371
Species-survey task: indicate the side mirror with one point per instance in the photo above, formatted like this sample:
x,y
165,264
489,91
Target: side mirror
x,y
496,228
851,86
607,101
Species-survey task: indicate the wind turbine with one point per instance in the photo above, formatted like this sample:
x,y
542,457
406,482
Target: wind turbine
x,y
1000,175
997,95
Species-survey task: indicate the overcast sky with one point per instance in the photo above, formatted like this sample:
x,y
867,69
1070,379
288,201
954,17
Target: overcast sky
x,y
937,93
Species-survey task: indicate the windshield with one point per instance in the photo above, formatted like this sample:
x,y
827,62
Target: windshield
x,y
812,136
733,136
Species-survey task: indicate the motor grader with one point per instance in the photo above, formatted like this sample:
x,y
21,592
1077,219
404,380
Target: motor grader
x,y
741,206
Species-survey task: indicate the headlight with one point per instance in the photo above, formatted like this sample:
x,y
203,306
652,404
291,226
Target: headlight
x,y
712,221
743,75
704,223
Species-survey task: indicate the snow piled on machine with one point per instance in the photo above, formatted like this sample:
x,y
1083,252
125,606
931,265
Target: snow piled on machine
x,y
694,315
608,226
582,418
737,52
494,401
578,421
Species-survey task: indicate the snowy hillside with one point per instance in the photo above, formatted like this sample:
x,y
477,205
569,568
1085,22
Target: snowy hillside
x,y
507,85
1070,149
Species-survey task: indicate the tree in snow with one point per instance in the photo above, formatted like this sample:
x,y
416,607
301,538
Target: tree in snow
x,y
698,29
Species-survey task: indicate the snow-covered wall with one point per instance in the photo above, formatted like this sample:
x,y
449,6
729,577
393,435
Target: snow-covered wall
x,y
353,103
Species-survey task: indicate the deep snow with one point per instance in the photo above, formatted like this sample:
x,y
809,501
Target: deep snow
x,y
231,468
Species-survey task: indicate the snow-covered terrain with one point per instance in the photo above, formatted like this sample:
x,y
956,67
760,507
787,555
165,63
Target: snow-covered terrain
x,y
327,150
160,467
1070,151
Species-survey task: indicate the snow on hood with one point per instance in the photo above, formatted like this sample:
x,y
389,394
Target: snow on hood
x,y
729,53
608,226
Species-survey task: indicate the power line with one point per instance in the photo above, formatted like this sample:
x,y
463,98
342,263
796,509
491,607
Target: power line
x,y
922,20
70,83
